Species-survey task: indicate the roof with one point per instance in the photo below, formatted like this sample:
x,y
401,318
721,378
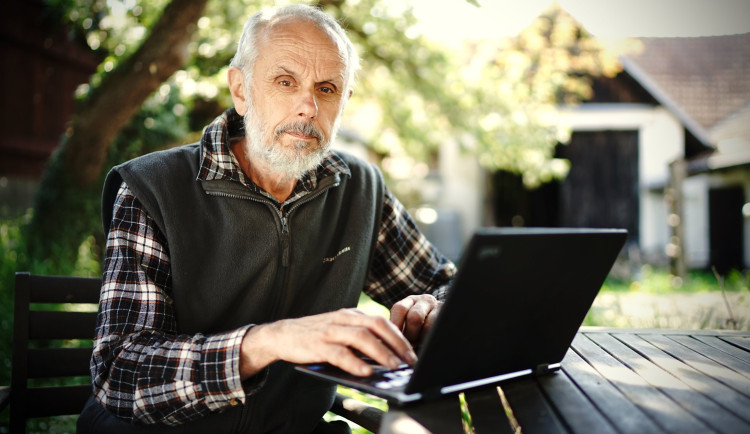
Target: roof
x,y
705,81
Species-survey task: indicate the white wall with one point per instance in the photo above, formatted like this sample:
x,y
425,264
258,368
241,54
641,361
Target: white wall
x,y
463,187
747,221
695,199
746,208
661,140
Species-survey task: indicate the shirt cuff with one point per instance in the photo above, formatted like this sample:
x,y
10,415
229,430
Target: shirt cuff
x,y
441,293
221,371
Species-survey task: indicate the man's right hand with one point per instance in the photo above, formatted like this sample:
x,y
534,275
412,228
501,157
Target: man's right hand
x,y
329,337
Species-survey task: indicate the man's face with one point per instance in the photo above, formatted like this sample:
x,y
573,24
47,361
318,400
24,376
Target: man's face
x,y
297,95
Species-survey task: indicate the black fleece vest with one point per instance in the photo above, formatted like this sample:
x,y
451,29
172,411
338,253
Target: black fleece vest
x,y
236,259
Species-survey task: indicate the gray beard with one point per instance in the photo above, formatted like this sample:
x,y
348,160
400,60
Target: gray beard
x,y
289,163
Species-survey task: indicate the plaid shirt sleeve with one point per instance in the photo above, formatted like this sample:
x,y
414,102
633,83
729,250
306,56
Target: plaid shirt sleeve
x,y
144,371
405,263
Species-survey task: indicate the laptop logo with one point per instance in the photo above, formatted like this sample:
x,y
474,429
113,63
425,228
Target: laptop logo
x,y
491,252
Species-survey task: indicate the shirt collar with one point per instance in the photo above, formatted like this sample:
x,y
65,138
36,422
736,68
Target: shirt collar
x,y
219,163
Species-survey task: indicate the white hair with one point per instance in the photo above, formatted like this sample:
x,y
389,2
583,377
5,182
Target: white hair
x,y
247,48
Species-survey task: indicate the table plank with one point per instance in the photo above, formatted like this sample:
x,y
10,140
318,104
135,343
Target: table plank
x,y
579,414
742,342
703,384
439,416
721,344
615,406
531,409
705,365
487,411
716,355
703,408
665,332
611,381
658,407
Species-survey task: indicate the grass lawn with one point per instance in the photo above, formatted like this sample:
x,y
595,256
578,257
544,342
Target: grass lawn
x,y
658,300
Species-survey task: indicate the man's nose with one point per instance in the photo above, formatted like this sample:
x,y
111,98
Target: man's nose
x,y
308,105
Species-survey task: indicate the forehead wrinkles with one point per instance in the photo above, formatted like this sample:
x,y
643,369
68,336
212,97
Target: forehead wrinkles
x,y
305,44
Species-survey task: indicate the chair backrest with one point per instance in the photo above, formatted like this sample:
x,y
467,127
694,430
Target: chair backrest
x,y
48,357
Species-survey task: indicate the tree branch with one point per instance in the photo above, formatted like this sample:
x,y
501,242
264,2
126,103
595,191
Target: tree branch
x,y
122,92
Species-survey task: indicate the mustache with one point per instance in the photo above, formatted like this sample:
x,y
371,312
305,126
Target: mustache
x,y
304,128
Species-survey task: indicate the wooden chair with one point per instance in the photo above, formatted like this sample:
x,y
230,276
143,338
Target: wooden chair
x,y
53,361
30,362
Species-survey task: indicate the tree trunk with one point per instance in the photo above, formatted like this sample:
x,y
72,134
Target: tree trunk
x,y
122,92
66,208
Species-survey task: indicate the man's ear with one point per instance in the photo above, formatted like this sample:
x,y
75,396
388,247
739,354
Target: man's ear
x,y
236,80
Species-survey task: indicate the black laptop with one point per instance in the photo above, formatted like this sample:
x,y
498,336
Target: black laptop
x,y
515,305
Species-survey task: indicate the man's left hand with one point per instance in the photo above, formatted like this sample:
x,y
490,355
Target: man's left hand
x,y
414,315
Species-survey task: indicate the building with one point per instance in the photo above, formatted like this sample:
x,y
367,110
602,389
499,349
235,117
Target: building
x,y
688,152
662,149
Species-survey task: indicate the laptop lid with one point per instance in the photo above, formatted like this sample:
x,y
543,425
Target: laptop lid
x,y
514,308
515,305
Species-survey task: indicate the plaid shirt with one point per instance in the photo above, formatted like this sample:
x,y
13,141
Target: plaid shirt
x,y
143,370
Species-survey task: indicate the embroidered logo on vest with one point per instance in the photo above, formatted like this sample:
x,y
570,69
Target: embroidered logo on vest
x,y
333,258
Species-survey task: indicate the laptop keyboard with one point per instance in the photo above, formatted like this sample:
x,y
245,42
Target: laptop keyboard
x,y
392,379
382,378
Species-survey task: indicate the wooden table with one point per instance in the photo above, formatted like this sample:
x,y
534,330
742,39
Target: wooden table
x,y
611,381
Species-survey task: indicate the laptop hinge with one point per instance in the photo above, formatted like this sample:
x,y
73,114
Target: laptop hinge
x,y
431,394
546,368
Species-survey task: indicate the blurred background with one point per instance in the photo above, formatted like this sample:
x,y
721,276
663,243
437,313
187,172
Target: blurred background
x,y
569,113
479,113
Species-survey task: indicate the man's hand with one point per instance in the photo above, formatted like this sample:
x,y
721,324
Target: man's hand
x,y
414,315
329,337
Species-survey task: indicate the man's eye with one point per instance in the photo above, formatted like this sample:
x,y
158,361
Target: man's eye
x,y
326,89
285,82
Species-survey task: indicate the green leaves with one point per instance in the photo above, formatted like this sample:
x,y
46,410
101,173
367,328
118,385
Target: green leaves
x,y
497,98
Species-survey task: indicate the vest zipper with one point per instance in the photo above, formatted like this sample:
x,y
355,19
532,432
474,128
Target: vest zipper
x,y
271,205
286,236
285,242
283,216
285,233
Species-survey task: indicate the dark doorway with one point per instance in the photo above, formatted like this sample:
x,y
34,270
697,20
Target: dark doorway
x,y
725,228
600,191
515,205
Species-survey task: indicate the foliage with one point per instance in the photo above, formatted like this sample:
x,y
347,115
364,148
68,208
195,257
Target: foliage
x,y
495,97
549,63
10,239
658,281
66,204
556,59
370,400
76,210
13,258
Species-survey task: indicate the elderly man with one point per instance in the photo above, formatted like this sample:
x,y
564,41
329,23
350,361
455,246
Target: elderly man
x,y
232,259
